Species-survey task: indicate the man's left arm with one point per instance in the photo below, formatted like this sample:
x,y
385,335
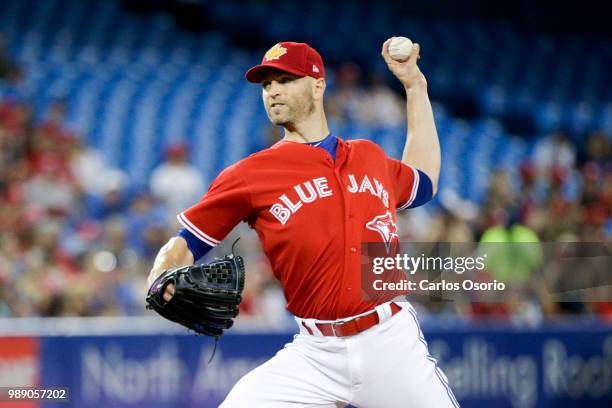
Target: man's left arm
x,y
422,148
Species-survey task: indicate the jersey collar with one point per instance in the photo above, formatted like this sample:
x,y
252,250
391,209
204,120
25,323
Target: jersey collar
x,y
342,148
323,142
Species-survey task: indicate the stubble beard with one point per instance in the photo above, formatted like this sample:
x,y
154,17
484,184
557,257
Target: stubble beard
x,y
294,115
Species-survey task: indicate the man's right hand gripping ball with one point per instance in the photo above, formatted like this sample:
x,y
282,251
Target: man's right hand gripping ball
x,y
206,297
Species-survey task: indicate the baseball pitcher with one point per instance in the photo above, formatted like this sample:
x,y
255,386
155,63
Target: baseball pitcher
x,y
313,198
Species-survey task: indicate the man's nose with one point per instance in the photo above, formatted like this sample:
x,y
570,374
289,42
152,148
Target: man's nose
x,y
274,88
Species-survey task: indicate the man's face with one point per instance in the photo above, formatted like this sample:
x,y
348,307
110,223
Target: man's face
x,y
287,98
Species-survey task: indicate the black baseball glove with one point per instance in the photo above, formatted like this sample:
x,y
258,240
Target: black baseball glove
x,y
206,297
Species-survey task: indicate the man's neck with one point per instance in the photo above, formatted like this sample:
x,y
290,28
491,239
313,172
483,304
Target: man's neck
x,y
313,129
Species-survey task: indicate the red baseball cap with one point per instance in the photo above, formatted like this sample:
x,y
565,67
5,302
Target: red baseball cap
x,y
295,58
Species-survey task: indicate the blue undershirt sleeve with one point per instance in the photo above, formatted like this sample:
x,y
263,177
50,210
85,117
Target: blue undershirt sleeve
x,y
424,190
197,247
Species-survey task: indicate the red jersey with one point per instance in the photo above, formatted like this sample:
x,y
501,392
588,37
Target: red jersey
x,y
311,215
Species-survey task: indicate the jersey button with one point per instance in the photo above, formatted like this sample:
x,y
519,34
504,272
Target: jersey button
x,y
353,249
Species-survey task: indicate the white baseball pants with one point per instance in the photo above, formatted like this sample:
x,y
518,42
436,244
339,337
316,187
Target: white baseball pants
x,y
386,366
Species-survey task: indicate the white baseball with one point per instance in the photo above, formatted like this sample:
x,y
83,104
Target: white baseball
x,y
400,48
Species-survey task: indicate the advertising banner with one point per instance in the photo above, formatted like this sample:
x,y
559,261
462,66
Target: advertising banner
x,y
19,367
500,366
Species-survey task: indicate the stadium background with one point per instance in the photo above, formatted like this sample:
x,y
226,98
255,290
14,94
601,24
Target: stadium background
x,y
116,115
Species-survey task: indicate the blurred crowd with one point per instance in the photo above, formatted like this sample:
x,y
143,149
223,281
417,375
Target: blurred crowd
x,y
77,239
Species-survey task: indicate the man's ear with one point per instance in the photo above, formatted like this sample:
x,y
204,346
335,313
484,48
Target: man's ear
x,y
318,88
